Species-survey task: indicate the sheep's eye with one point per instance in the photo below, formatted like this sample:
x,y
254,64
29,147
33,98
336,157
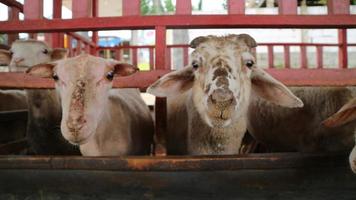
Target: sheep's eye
x,y
45,51
55,77
110,75
250,63
195,65
11,53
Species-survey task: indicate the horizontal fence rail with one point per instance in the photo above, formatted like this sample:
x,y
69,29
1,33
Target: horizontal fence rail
x,y
290,77
175,163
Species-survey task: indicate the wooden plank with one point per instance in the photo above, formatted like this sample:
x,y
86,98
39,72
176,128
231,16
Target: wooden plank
x,y
286,56
183,7
291,77
303,57
270,56
338,7
13,147
160,103
319,57
236,7
342,37
33,9
13,13
287,7
175,163
326,183
6,116
181,21
21,80
131,7
81,8
57,38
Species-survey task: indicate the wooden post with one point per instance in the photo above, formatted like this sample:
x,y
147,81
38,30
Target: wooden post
x,y
286,56
161,103
270,56
13,13
287,7
303,57
130,7
183,7
236,7
340,7
33,9
95,36
57,38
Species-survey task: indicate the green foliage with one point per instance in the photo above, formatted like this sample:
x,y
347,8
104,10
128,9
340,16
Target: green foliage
x,y
2,39
169,7
145,8
148,8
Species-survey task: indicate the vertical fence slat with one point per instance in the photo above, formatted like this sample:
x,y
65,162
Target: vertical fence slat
x,y
342,37
303,57
236,7
287,7
118,54
319,56
13,13
81,8
134,56
33,9
168,58
270,56
185,56
150,50
79,47
183,7
130,7
57,38
161,103
286,56
95,36
337,7
69,45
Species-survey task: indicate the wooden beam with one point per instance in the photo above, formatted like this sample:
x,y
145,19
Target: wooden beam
x,y
180,21
291,77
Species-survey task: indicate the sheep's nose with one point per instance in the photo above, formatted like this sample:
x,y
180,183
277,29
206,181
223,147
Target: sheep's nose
x,y
18,60
221,95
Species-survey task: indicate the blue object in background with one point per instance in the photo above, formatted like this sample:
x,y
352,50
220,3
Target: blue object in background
x,y
109,41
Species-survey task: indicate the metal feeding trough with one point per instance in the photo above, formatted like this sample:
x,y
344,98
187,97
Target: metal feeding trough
x,y
247,176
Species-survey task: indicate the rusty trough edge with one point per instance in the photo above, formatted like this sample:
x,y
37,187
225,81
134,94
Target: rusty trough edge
x,y
175,163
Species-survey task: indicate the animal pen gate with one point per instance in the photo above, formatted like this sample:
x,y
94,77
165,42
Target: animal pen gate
x,y
282,175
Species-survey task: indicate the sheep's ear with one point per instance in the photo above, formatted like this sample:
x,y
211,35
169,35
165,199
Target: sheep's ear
x,y
173,83
347,113
44,70
196,41
246,38
5,57
59,53
268,88
122,69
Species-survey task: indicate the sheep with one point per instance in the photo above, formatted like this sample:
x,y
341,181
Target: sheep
x,y
345,117
208,100
43,133
101,121
301,129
